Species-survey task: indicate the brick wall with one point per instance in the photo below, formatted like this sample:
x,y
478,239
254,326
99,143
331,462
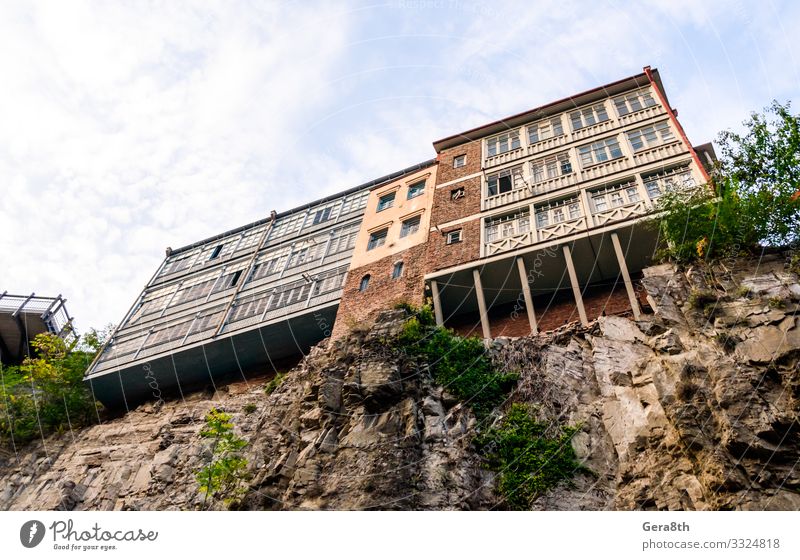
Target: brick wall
x,y
383,291
440,255
447,173
552,311
445,209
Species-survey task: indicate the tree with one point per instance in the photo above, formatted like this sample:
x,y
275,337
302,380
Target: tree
x,y
46,393
755,199
226,470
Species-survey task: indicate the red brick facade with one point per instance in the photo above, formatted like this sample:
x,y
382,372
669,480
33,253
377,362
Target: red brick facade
x,y
382,291
552,311
447,173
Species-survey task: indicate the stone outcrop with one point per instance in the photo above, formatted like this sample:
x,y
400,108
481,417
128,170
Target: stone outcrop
x,y
694,407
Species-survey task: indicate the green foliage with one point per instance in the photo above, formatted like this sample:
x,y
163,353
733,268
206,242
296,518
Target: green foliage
x,y
250,408
274,383
776,302
700,299
527,461
46,394
459,364
222,478
755,198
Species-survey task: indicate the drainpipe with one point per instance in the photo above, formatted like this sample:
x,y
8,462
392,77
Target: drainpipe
x,y
674,119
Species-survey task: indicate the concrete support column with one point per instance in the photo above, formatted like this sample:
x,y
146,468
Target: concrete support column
x,y
437,304
626,277
576,289
526,292
476,276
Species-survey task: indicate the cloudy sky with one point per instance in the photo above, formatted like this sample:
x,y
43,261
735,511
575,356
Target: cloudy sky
x,y
126,127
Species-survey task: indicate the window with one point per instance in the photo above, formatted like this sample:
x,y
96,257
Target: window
x,y
322,215
459,161
502,143
656,184
455,194
416,189
588,116
453,236
397,270
557,212
545,130
633,102
509,225
601,151
614,197
355,201
650,136
362,286
215,253
377,239
410,226
504,181
551,167
386,201
343,239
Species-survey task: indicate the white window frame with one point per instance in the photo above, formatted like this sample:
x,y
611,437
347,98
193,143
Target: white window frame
x,y
507,225
459,161
595,149
614,196
564,210
397,270
588,116
416,189
389,197
650,136
377,238
503,143
551,167
512,173
545,130
412,227
454,237
633,102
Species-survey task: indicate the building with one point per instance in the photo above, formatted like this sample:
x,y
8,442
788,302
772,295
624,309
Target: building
x,y
388,263
543,214
517,226
23,317
237,302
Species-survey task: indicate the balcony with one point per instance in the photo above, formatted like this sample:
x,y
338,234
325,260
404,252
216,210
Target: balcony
x,y
593,130
625,212
606,168
658,153
502,199
505,157
641,115
548,144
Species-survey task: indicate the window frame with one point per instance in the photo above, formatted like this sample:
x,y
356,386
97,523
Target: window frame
x,y
593,148
397,270
405,232
416,189
363,284
641,98
550,124
592,112
454,236
459,161
377,238
510,138
389,198
651,136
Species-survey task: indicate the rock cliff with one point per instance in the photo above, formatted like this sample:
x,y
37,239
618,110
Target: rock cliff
x,y
694,407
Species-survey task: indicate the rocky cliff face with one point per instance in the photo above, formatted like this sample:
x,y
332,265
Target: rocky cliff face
x,y
695,407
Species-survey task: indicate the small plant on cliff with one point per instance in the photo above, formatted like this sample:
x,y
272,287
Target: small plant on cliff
x,y
223,477
274,383
459,364
527,461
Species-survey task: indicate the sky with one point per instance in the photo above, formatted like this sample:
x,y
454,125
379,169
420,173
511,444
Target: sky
x,y
127,127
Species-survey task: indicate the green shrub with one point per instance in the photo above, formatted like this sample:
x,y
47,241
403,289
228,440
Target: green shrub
x,y
753,201
250,408
700,299
275,382
459,364
46,394
223,476
526,460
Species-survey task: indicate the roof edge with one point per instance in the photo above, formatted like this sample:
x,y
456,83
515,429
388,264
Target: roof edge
x,y
576,100
369,184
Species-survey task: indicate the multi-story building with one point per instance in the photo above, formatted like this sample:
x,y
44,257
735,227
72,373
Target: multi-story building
x,y
517,226
23,317
542,214
236,302
388,263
